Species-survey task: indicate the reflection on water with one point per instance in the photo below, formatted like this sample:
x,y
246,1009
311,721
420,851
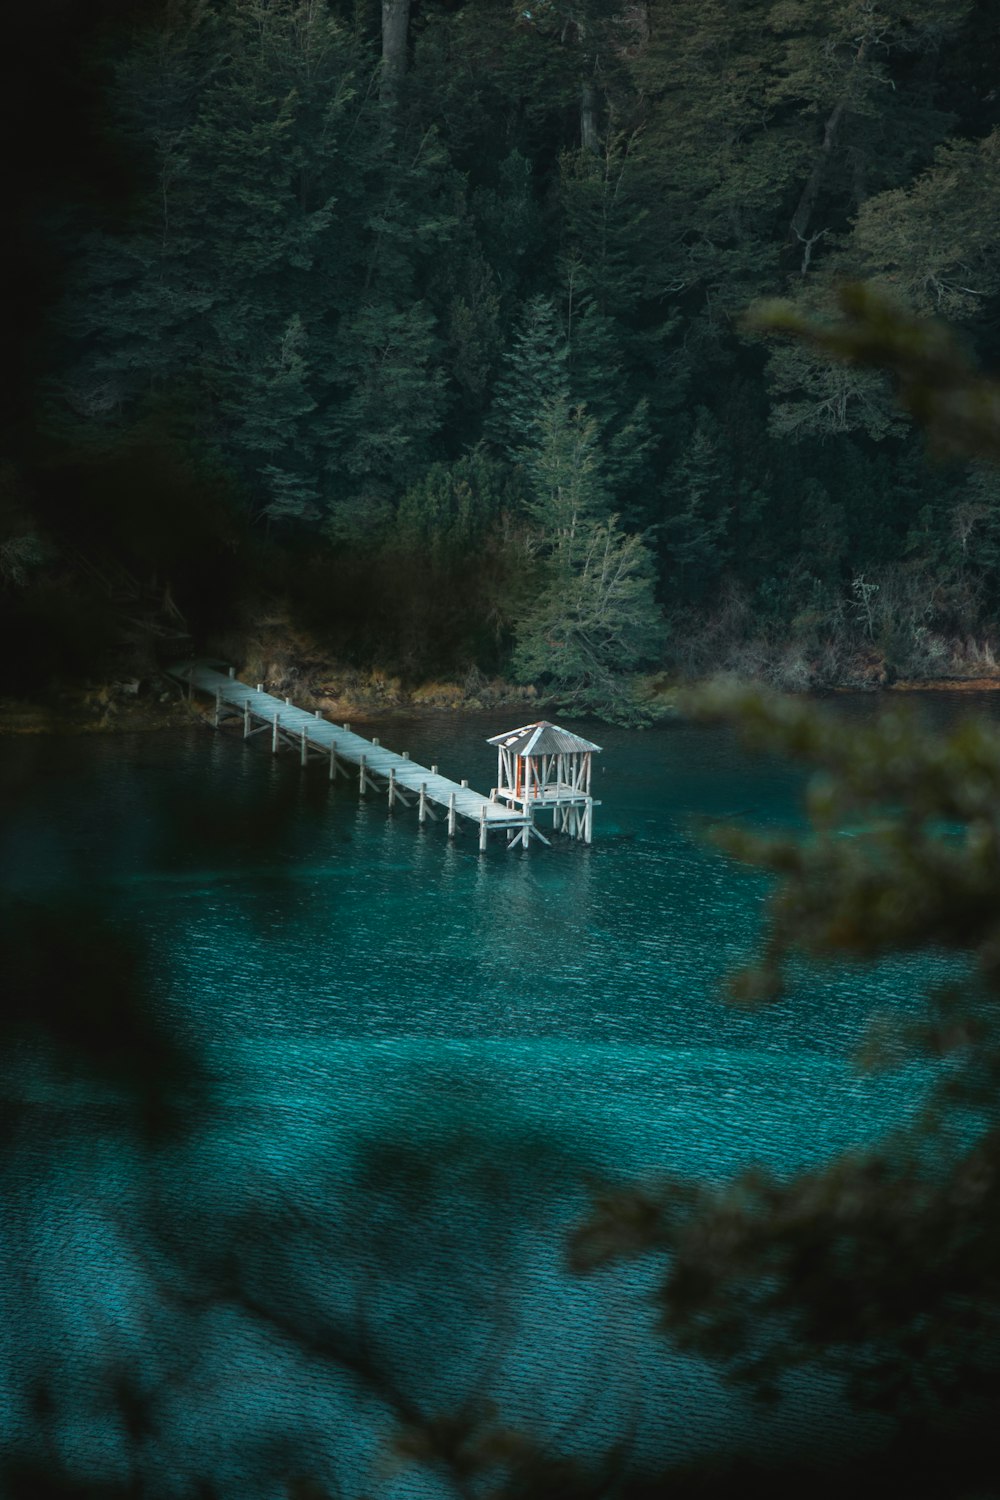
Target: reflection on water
x,y
418,1058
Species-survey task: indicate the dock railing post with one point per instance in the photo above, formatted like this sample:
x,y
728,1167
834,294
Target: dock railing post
x,y
304,752
361,778
392,789
422,813
451,816
274,735
246,718
482,828
232,672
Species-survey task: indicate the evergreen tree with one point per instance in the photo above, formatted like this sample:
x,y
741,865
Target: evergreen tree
x,y
591,616
535,376
698,498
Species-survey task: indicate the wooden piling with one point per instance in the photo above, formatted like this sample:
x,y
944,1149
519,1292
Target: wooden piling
x,y
436,797
232,672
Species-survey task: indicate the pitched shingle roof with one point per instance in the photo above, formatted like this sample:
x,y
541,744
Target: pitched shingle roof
x,y
542,738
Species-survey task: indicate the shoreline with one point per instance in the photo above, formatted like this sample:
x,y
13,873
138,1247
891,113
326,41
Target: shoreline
x,y
156,705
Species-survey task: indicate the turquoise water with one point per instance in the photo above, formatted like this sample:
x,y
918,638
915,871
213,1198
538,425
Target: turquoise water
x,y
419,1056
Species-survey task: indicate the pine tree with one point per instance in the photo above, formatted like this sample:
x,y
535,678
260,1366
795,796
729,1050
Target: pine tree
x,y
698,497
535,375
591,617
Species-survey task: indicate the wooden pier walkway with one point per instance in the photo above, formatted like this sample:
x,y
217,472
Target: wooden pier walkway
x,y
377,769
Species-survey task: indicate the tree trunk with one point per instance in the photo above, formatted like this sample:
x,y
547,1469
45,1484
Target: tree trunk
x,y
588,117
395,24
807,201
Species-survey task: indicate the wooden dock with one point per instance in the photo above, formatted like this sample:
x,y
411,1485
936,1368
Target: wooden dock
x,y
350,755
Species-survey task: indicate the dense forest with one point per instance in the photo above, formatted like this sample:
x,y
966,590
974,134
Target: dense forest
x,y
429,325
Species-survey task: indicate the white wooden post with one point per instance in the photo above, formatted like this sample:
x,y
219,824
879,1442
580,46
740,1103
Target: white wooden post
x,y
361,777
451,816
482,828
232,671
304,752
274,736
422,814
406,754
333,761
392,788
260,687
588,822
246,718
218,705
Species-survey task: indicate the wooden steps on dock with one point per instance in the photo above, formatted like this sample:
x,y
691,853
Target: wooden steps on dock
x,y
378,769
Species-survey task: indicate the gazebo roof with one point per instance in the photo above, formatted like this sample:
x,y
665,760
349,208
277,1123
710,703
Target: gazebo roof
x,y
542,738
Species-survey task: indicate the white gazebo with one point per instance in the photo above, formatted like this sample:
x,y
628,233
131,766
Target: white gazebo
x,y
542,766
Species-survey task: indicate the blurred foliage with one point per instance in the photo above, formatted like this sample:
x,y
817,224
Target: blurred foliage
x,y
882,1265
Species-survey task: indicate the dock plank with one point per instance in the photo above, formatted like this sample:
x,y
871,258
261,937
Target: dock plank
x,y
322,734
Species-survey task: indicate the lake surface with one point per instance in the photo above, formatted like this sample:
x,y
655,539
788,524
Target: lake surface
x,y
419,1056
